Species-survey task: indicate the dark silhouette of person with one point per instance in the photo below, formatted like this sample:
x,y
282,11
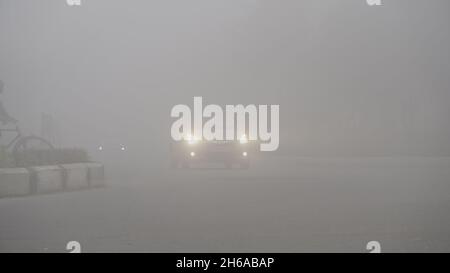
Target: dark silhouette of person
x,y
5,118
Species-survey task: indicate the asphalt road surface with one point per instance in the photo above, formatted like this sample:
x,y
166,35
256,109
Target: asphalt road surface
x,y
282,204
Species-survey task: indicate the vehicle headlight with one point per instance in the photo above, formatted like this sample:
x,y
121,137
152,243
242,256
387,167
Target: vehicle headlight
x,y
191,139
243,139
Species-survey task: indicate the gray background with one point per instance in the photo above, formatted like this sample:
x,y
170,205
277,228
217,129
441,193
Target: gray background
x,y
364,139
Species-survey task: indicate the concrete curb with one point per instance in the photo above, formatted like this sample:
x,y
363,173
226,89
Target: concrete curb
x,y
75,176
14,182
96,174
46,179
50,179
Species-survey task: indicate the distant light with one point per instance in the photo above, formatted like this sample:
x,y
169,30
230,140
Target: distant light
x,y
192,154
123,148
244,153
100,148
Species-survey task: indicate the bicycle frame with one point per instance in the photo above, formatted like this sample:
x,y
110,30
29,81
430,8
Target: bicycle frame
x,y
18,136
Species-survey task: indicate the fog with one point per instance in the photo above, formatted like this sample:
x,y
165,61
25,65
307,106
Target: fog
x,y
351,80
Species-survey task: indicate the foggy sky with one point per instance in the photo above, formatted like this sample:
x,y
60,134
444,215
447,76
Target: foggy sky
x,y
349,78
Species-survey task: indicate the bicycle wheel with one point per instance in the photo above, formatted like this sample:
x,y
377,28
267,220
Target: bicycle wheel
x,y
32,151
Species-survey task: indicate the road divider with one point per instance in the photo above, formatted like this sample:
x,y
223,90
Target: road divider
x,y
46,179
14,182
75,176
50,179
96,174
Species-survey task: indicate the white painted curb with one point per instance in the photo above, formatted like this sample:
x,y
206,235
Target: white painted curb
x,y
75,176
47,179
14,182
96,174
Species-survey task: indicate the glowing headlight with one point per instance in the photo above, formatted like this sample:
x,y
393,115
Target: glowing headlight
x,y
244,153
192,154
190,139
243,139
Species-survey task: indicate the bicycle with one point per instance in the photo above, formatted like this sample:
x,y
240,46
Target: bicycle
x,y
21,146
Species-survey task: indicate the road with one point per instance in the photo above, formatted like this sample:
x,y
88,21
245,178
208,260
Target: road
x,y
282,204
